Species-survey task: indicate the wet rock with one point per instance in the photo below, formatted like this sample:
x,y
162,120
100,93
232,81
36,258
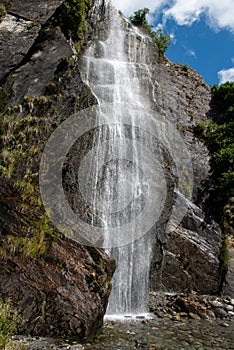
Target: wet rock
x,y
224,324
210,314
231,313
193,316
219,312
228,307
177,317
216,303
184,305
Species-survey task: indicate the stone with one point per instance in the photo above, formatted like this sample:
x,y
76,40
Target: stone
x,y
216,303
224,324
177,317
229,307
219,312
210,314
194,316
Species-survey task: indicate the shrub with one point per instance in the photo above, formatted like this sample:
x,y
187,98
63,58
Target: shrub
x,y
161,40
10,320
218,136
3,11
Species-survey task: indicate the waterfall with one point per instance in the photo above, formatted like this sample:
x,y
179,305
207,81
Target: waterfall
x,y
122,175
111,68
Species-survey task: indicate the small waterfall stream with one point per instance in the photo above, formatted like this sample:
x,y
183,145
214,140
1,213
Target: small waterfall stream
x,y
111,68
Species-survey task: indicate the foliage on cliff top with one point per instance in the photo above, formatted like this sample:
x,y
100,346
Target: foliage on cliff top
x,y
71,17
219,137
161,40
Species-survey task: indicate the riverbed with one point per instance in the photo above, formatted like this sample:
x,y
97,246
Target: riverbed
x,y
148,334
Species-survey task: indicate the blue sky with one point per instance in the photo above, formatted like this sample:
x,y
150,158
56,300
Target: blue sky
x,y
202,33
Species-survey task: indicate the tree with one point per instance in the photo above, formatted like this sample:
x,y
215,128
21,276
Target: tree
x,y
218,136
161,40
139,17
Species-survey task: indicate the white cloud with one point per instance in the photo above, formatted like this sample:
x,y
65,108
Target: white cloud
x,y
219,13
191,52
226,75
232,59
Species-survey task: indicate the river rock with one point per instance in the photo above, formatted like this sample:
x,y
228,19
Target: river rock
x,y
216,303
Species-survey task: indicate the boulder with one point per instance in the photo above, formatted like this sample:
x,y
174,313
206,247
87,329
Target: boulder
x,y
63,293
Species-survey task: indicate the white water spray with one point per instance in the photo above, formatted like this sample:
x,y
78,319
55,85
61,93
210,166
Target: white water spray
x,y
111,68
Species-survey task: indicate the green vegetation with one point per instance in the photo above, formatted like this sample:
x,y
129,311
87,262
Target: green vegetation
x,y
218,136
10,320
21,143
161,40
71,17
3,11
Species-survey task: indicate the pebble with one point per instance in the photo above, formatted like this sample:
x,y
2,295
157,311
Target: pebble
x,y
176,317
210,314
194,316
229,307
223,324
219,312
216,303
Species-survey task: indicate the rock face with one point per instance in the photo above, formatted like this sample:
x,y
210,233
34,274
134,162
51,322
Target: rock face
x,y
63,294
19,29
188,258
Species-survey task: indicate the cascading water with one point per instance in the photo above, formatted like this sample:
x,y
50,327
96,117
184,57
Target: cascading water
x,y
122,174
111,70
